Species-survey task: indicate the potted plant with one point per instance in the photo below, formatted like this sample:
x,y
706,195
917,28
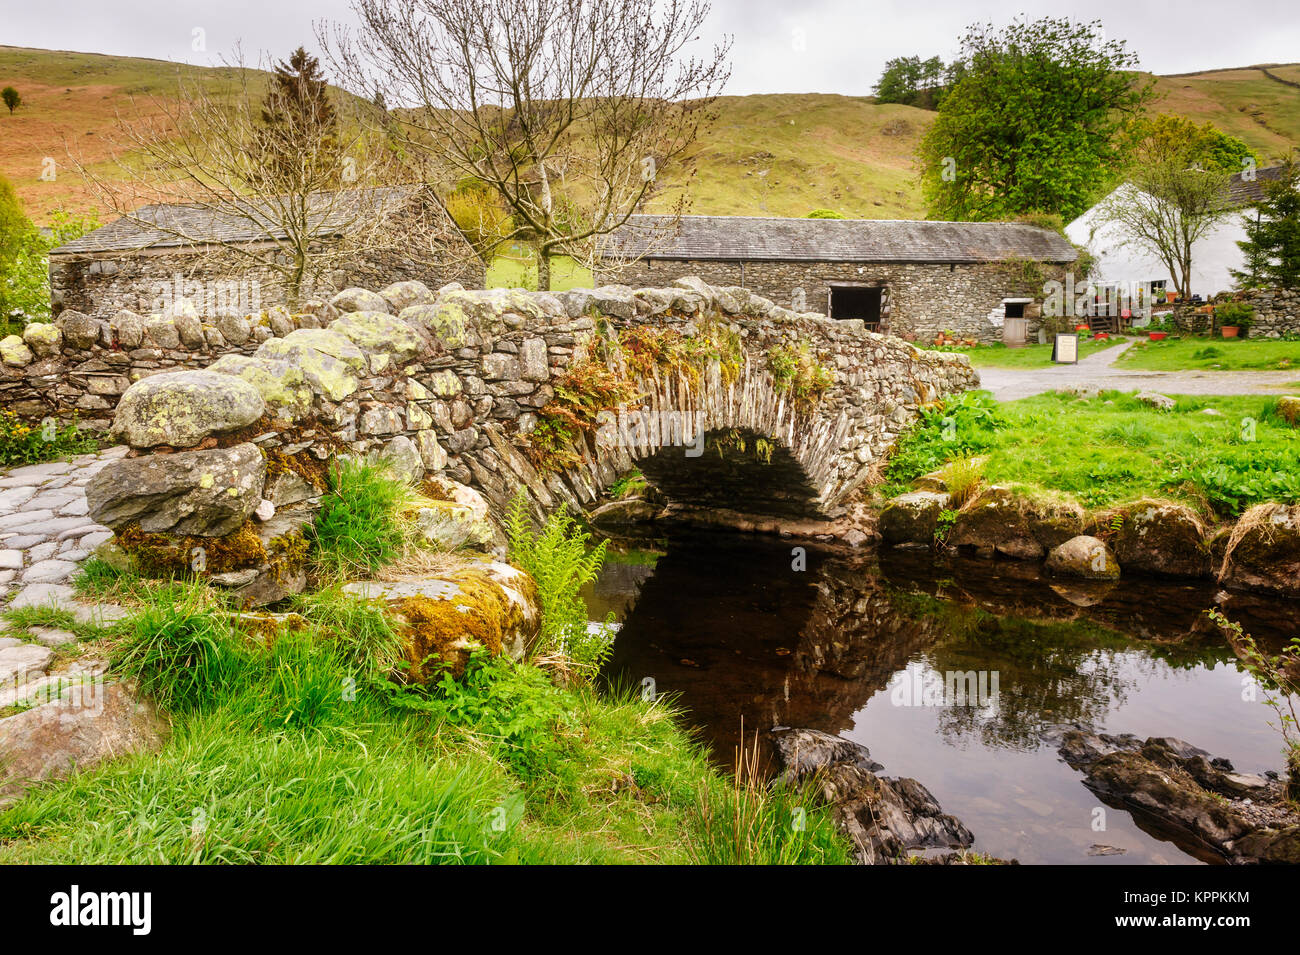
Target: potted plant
x,y
1171,297
1234,317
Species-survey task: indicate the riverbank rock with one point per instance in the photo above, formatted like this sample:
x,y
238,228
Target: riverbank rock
x,y
1160,537
1000,520
200,493
1085,557
181,408
884,817
441,619
95,723
1263,553
624,513
912,518
1234,817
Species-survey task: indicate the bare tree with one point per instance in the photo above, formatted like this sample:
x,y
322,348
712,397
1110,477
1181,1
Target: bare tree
x,y
244,184
568,109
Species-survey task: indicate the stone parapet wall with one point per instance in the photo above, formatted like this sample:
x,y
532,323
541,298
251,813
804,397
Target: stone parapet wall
x,y
923,299
79,365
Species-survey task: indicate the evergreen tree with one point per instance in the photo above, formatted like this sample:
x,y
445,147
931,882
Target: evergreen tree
x,y
1272,243
301,127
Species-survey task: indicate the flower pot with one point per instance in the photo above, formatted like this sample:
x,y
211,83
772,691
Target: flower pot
x,y
1157,336
1229,331
1171,297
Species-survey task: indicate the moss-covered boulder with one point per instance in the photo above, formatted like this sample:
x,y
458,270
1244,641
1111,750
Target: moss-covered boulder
x,y
441,620
1159,537
14,352
1085,557
181,408
1263,553
912,518
201,493
1004,521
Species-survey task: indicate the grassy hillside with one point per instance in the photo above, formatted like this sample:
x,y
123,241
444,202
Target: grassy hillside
x,y
780,154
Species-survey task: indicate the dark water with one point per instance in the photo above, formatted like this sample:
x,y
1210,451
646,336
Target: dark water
x,y
740,637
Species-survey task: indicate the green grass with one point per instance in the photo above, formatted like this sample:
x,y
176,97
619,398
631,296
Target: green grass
x,y
357,529
1112,448
287,750
1030,356
1213,354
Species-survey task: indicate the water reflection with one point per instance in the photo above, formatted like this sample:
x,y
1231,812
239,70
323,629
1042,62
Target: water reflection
x,y
740,637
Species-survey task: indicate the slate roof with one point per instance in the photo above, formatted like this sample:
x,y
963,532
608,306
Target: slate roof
x,y
176,225
1242,193
754,238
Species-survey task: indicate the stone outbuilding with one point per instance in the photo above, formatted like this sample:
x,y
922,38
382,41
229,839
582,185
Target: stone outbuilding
x,y
905,277
161,253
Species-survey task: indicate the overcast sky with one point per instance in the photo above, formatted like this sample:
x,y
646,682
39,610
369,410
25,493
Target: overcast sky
x,y
781,46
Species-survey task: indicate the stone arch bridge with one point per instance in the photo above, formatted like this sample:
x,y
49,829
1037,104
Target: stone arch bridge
x,y
722,399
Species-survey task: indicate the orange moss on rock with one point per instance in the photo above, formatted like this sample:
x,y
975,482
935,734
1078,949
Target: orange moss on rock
x,y
440,633
164,554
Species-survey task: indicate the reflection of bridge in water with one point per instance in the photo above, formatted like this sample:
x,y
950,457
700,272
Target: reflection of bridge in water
x,y
728,627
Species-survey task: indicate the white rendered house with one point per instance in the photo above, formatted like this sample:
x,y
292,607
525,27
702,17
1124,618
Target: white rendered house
x,y
1121,260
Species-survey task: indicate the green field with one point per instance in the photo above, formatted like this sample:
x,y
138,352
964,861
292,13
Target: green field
x,y
1212,354
1031,356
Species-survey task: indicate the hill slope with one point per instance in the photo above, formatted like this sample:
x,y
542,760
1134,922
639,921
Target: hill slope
x,y
778,154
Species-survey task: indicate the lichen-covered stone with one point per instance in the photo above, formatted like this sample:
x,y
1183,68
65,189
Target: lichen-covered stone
x,y
200,493
379,332
457,518
327,375
79,330
182,408
161,331
402,295
127,328
282,384
43,339
440,620
14,353
234,329
358,300
1085,557
404,459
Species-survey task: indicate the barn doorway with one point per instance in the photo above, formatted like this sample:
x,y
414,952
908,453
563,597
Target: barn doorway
x,y
857,302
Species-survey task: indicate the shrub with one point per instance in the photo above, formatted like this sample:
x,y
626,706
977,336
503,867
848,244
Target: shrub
x,y
961,426
825,214
558,559
796,370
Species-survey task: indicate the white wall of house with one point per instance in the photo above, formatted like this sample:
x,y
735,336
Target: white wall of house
x,y
1119,259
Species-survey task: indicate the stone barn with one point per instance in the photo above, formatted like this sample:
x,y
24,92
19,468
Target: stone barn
x,y
903,277
161,253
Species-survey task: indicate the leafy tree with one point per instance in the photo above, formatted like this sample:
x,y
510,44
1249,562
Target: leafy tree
x,y
1177,182
824,214
14,227
913,82
25,278
11,98
1272,243
1033,123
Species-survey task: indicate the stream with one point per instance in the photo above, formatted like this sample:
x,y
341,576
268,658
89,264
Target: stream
x,y
753,631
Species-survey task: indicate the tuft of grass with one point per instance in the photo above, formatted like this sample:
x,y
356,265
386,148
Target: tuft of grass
x,y
963,477
359,526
